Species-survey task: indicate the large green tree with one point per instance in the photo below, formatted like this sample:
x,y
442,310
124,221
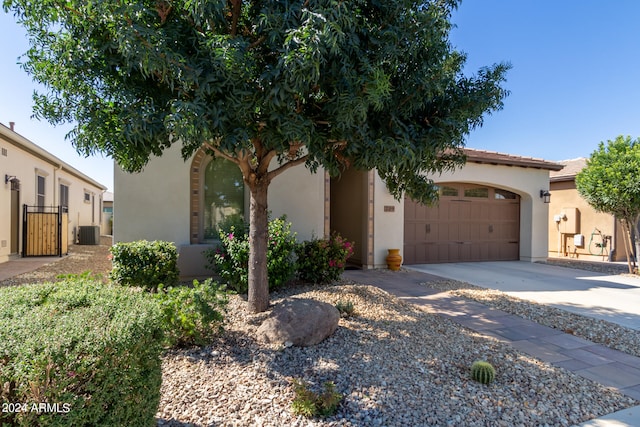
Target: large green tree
x,y
611,183
266,84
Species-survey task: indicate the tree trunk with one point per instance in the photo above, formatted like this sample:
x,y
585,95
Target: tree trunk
x,y
637,241
627,242
258,298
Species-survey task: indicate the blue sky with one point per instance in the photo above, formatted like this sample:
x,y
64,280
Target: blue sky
x,y
575,79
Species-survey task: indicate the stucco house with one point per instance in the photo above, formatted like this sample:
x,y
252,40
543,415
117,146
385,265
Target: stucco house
x,y
576,230
51,189
490,209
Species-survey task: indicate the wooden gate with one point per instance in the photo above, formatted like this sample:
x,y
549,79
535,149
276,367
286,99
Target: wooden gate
x,y
44,231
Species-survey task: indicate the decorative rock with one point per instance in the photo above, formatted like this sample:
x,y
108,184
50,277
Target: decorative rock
x,y
299,322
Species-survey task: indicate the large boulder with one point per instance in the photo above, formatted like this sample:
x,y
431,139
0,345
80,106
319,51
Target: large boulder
x,y
300,322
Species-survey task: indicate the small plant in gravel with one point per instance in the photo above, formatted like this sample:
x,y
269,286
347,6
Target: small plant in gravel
x,y
85,275
346,308
311,404
192,314
483,372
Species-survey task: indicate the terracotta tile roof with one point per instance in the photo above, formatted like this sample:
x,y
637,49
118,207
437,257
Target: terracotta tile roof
x,y
495,158
569,171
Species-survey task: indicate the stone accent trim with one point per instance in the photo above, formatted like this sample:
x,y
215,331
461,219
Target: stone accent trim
x,y
195,176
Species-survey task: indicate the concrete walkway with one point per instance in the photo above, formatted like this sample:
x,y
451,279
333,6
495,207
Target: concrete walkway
x,y
15,267
599,363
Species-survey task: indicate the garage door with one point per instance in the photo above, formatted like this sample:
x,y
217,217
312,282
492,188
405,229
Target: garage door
x,y
469,223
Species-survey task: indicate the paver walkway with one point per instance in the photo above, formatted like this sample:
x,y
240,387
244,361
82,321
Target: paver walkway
x,y
609,367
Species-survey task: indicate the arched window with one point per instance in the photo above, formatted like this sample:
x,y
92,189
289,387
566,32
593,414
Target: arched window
x,y
223,197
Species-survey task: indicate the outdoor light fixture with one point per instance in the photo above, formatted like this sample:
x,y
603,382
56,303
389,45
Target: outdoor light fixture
x,y
8,179
545,196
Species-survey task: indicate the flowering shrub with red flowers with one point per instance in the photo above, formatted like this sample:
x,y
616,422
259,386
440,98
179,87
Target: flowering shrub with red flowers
x,y
231,259
323,260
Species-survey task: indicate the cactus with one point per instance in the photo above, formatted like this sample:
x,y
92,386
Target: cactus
x,y
483,372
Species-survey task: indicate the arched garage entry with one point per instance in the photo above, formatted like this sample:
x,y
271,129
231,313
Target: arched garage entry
x,y
469,223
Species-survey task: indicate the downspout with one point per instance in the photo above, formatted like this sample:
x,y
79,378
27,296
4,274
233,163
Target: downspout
x,y
56,196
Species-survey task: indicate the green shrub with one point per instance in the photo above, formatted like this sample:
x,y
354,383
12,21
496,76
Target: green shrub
x,y
145,264
191,315
323,260
84,353
483,372
310,404
231,259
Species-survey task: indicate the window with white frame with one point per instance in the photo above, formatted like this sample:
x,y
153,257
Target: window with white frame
x,y
64,197
40,190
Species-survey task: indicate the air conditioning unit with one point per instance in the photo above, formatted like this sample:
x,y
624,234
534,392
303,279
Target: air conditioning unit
x,y
89,235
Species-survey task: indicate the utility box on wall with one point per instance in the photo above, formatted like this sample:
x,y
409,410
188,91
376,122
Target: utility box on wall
x,y
570,225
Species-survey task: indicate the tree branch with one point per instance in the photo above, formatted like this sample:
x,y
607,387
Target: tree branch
x,y
263,167
235,15
286,166
260,40
220,153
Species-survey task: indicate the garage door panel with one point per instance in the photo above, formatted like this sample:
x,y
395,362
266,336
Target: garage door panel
x,y
462,229
450,251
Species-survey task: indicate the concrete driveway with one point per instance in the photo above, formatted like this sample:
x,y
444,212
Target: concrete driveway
x,y
614,298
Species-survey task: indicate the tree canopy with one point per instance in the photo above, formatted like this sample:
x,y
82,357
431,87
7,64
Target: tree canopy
x,y
356,83
611,181
326,83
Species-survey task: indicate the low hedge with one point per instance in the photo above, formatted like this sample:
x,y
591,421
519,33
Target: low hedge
x,y
144,263
79,353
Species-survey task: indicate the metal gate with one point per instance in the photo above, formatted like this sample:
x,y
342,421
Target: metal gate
x,y
44,231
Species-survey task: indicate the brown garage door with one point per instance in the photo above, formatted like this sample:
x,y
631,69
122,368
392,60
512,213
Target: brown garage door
x,y
469,223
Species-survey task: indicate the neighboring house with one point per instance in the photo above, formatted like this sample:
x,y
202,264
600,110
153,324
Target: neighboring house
x,y
490,209
576,230
106,225
32,176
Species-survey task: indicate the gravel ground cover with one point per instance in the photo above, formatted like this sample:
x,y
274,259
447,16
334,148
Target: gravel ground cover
x,y
395,365
598,267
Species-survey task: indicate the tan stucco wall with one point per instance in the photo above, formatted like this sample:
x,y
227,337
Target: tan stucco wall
x,y
25,167
300,195
153,204
388,231
566,200
526,182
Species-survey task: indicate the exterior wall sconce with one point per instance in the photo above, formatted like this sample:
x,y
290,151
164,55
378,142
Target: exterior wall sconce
x,y
8,179
545,196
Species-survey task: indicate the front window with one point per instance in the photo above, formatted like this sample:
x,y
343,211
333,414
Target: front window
x,y
481,192
223,194
40,196
64,197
